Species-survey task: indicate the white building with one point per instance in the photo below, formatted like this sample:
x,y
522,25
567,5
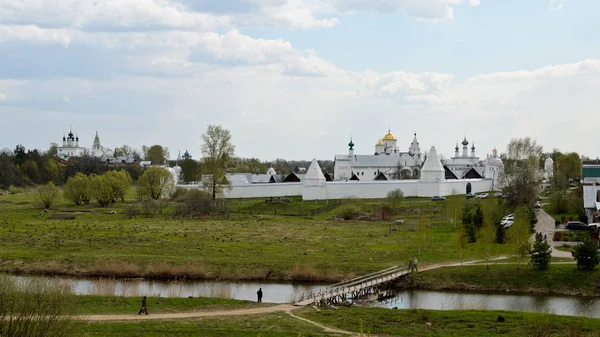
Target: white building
x,y
467,165
590,180
70,147
388,162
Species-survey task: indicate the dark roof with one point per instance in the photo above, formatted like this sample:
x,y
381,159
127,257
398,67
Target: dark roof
x,y
381,176
291,178
327,176
449,174
472,174
354,177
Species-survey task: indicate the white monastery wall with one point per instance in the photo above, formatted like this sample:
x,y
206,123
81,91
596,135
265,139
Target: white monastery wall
x,y
590,195
355,189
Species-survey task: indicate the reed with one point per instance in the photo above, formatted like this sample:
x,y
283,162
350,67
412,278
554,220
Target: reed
x,y
188,271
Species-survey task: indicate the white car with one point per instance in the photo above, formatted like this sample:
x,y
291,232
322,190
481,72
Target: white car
x,y
482,196
509,217
507,223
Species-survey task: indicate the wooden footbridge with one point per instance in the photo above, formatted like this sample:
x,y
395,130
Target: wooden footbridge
x,y
380,283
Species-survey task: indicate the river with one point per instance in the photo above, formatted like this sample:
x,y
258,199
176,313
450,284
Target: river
x,y
291,292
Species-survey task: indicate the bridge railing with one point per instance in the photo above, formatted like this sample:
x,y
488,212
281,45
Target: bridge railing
x,y
361,281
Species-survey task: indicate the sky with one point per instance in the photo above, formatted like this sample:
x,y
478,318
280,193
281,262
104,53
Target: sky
x,y
296,79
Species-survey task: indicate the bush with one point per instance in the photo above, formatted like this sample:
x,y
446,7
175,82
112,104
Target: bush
x,y
586,254
35,309
348,212
46,195
14,190
198,203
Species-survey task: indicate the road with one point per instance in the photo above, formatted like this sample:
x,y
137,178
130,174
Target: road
x,y
546,225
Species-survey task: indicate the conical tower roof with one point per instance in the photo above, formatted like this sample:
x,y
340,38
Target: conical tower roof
x,y
314,172
433,162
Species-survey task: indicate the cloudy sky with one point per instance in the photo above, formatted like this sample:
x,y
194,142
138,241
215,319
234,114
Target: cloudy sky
x,y
296,78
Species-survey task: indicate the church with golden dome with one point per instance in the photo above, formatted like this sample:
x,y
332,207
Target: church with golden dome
x,y
388,162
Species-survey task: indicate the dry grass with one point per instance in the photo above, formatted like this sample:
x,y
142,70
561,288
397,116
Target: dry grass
x,y
308,273
189,271
119,269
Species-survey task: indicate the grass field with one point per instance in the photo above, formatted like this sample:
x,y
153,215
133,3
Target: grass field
x,y
268,325
386,322
94,241
558,279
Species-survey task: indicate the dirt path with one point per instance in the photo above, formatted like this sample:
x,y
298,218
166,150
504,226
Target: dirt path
x,y
286,308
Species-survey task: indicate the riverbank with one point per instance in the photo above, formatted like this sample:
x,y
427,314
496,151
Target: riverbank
x,y
561,279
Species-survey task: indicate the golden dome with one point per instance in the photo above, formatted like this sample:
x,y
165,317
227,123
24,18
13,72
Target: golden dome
x,y
389,136
380,143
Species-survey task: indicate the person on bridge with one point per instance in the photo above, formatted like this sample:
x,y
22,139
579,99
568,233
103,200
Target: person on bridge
x,y
144,308
259,294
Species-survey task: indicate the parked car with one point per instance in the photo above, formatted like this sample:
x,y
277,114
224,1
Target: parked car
x,y
438,198
509,217
539,198
577,226
537,205
482,196
471,195
508,223
498,195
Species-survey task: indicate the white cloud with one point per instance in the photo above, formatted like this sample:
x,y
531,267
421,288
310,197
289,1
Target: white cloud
x,y
428,10
106,14
2,96
558,4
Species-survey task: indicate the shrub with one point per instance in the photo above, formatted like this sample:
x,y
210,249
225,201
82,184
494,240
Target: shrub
x,y
35,309
586,254
46,195
14,190
348,212
198,203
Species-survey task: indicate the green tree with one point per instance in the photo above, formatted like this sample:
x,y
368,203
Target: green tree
x,y
155,183
522,174
217,151
8,172
460,242
78,189
30,172
157,154
518,234
190,170
586,254
486,240
47,195
50,170
566,166
120,182
541,254
455,208
101,189
394,199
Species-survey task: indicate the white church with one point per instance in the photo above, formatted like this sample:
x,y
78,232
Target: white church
x,y
71,148
388,162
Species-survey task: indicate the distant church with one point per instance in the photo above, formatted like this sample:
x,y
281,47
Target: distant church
x,y
388,162
71,148
469,166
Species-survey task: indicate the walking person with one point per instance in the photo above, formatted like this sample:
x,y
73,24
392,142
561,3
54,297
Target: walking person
x,y
259,294
144,308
